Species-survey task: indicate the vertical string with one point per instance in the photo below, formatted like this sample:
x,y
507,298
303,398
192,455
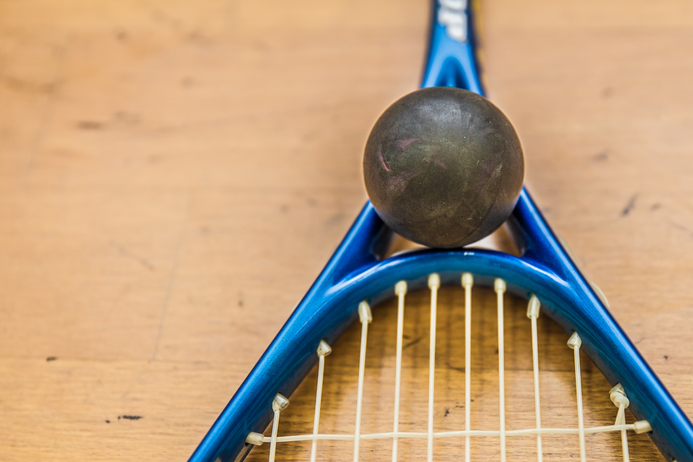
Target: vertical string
x,y
467,283
575,342
533,314
500,290
273,440
621,420
618,397
401,291
433,284
365,316
323,350
278,404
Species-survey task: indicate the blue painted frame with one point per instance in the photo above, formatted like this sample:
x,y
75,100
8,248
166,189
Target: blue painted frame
x,y
356,272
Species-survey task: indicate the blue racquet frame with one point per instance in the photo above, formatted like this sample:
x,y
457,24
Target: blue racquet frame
x,y
357,271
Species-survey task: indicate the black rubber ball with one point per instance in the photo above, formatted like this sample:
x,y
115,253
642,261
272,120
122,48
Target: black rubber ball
x,y
443,167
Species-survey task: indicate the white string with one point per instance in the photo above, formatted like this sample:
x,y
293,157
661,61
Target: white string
x,y
323,350
433,284
318,398
533,314
365,317
278,404
400,290
467,283
273,441
620,420
500,289
574,342
457,434
620,400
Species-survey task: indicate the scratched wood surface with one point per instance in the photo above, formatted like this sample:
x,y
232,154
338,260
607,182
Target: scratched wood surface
x,y
174,174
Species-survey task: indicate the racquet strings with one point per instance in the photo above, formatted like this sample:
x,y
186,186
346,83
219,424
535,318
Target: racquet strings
x,y
453,373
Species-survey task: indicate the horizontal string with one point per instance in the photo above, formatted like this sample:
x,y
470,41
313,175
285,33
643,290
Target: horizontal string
x,y
452,434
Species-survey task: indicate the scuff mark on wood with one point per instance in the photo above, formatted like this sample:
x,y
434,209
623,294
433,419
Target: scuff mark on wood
x,y
629,206
412,343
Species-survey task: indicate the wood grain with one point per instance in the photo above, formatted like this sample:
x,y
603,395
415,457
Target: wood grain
x,y
173,175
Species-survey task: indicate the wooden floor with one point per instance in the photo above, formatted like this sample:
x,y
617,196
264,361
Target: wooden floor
x,y
174,174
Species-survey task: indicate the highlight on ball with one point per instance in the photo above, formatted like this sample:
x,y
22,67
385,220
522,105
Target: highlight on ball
x,y
443,167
